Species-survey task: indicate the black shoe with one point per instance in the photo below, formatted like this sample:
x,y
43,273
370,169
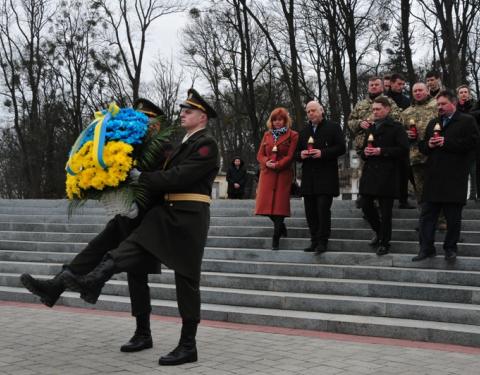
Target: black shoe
x,y
311,248
405,206
422,255
375,241
137,342
49,291
321,248
450,255
90,285
382,250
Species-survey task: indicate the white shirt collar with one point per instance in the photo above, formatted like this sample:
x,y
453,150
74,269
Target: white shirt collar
x,y
188,135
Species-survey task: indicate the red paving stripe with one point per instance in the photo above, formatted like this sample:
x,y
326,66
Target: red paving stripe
x,y
266,329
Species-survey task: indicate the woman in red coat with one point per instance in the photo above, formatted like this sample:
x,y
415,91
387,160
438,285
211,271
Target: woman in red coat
x,y
275,156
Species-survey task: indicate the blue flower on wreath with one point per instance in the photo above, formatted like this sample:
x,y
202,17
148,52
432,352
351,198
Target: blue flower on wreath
x,y
128,126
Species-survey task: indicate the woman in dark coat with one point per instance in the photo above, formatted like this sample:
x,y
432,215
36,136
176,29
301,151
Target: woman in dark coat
x,y
275,157
236,178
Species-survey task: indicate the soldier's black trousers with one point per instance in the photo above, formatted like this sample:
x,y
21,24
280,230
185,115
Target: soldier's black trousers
x,y
319,216
130,256
381,224
116,230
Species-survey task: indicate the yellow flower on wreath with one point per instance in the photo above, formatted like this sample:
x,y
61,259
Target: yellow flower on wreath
x,y
116,156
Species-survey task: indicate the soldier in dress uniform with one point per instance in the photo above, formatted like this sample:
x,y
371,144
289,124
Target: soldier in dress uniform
x,y
116,230
174,231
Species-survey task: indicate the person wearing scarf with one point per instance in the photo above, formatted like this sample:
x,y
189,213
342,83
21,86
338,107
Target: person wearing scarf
x,y
275,157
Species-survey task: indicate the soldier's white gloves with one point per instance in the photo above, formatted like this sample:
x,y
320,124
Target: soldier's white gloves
x,y
134,174
132,212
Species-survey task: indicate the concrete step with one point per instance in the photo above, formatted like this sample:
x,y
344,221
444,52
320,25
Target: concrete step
x,y
465,263
341,212
341,258
411,329
347,287
63,225
13,262
294,202
298,244
235,231
390,307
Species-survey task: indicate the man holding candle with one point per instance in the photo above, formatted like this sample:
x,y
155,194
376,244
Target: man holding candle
x,y
384,149
448,142
320,144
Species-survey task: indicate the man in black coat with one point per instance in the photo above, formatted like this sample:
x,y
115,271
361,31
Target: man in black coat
x,y
383,154
448,143
319,172
115,231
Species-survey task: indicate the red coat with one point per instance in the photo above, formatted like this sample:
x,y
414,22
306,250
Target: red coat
x,y
273,192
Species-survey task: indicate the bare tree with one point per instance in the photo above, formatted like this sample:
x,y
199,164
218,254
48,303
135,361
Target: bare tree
x,y
130,21
455,19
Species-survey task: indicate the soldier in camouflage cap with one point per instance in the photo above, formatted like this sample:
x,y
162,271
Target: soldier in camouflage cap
x,y
423,109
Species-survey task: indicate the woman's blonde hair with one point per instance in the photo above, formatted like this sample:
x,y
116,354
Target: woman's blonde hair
x,y
279,112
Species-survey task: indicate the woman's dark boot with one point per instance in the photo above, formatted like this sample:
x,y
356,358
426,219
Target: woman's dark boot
x,y
277,232
186,350
49,291
90,285
283,230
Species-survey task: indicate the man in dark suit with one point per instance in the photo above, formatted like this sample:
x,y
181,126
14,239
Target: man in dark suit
x,y
319,173
448,143
115,231
383,154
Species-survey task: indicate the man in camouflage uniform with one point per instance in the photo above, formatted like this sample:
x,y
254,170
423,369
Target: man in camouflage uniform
x,y
361,116
422,110
357,122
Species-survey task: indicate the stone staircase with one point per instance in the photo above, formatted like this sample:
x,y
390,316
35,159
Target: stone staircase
x,y
349,289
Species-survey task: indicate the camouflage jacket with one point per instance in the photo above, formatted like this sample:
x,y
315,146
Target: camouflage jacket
x,y
362,111
421,113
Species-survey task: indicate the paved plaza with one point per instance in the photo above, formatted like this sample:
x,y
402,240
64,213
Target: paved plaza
x,y
74,341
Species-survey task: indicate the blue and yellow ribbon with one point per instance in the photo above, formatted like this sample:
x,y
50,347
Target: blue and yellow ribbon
x,y
100,126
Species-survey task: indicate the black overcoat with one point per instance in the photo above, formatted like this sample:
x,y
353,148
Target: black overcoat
x,y
236,175
320,176
446,173
176,232
381,174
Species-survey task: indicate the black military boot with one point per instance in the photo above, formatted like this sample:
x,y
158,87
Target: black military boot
x,y
186,350
49,291
142,339
90,285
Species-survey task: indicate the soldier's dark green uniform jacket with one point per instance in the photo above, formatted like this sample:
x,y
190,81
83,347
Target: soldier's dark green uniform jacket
x,y
176,232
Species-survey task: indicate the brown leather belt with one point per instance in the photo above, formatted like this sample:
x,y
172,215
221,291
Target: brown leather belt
x,y
194,197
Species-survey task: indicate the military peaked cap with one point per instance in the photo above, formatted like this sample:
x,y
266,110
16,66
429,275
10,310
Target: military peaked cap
x,y
195,101
147,107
